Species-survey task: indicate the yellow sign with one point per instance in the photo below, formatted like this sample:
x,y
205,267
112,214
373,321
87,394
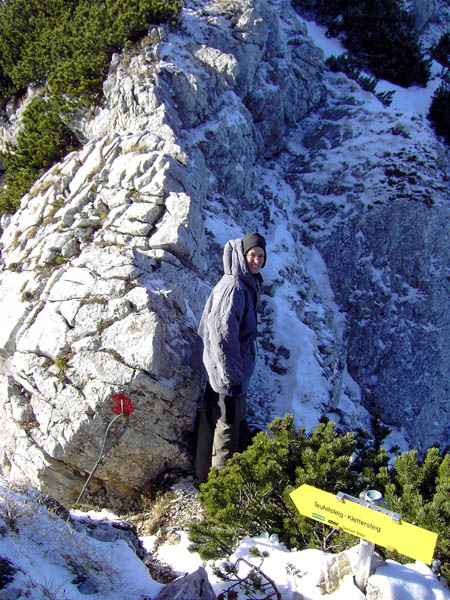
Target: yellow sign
x,y
366,523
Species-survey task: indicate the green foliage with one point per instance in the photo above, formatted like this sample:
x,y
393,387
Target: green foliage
x,y
420,492
43,140
379,33
441,52
70,43
16,185
250,495
28,36
439,112
37,145
327,9
95,31
67,45
352,67
6,85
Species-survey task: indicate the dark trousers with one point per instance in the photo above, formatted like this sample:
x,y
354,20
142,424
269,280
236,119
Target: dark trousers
x,y
221,431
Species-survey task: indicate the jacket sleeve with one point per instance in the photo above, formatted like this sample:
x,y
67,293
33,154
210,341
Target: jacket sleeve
x,y
224,326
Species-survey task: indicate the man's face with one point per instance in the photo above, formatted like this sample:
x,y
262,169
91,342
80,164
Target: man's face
x,y
255,258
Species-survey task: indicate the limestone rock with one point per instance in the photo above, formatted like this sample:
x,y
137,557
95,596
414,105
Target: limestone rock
x,y
230,124
423,11
105,266
107,530
196,585
379,222
342,568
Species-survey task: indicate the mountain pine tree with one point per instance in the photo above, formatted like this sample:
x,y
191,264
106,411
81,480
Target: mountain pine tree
x,y
66,46
379,33
43,140
250,495
441,52
439,113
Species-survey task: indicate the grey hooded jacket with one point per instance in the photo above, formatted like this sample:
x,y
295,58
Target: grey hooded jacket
x,y
228,324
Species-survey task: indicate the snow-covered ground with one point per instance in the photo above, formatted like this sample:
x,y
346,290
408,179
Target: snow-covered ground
x,y
396,581
414,100
303,390
58,562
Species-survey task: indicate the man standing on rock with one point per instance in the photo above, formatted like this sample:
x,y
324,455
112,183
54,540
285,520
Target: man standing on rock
x,y
228,332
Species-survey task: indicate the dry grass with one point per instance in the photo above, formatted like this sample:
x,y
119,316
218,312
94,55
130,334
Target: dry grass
x,y
39,521
13,511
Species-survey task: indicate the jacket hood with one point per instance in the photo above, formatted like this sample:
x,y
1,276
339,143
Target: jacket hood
x,y
234,262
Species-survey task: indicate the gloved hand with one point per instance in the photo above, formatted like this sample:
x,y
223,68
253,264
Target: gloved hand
x,y
234,390
227,403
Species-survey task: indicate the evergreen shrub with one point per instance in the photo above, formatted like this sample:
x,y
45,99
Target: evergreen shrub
x,y
66,46
250,495
439,112
379,33
441,52
71,42
352,67
43,140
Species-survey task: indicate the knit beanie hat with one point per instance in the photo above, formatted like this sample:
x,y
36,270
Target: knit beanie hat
x,y
250,240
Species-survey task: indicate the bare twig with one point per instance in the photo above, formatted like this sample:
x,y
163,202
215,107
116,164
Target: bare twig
x,y
123,407
248,584
99,460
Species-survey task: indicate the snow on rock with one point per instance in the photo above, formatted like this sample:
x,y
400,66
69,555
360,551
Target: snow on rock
x,y
106,265
230,124
309,574
372,198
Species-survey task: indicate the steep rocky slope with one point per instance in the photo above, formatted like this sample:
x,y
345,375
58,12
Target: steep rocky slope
x,y
104,265
228,125
371,194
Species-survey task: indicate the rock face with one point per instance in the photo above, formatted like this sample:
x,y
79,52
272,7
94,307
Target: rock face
x,y
195,585
104,267
424,11
408,311
228,125
381,224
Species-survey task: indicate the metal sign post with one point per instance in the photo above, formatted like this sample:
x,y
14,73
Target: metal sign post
x,y
370,499
366,549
